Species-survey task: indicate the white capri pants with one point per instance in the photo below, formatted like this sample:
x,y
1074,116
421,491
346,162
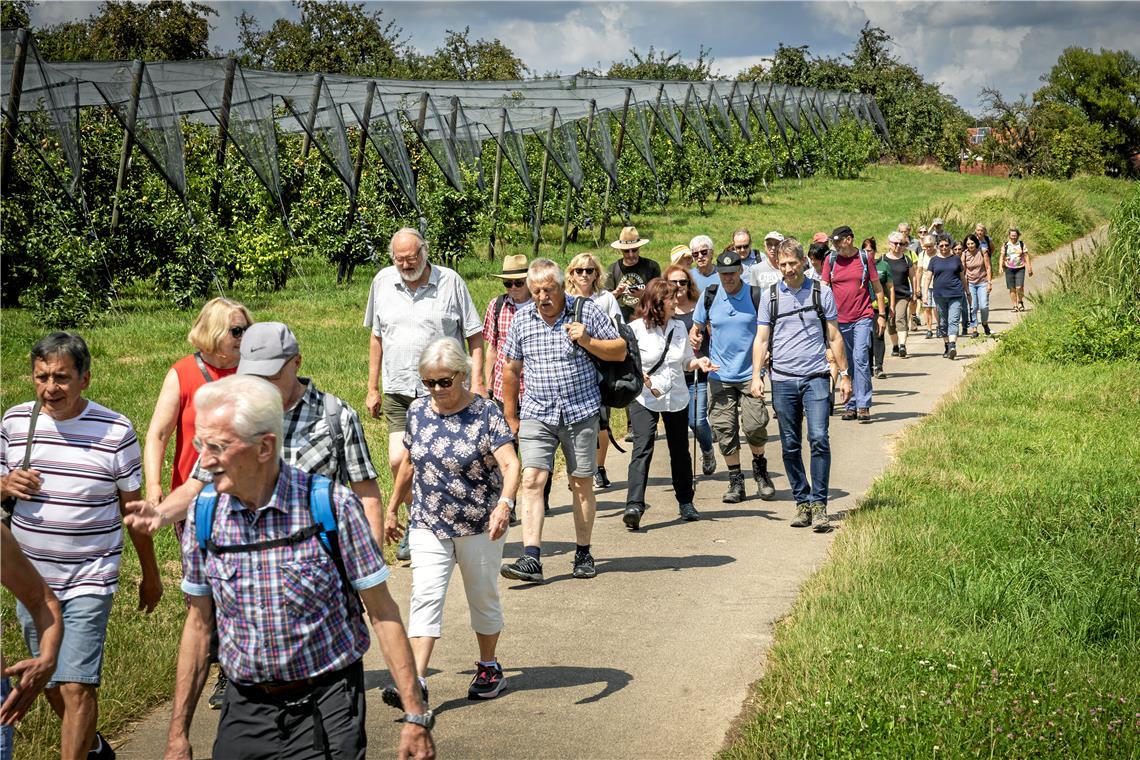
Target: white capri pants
x,y
434,559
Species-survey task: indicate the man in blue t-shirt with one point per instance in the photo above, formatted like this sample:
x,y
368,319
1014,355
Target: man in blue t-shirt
x,y
730,315
795,342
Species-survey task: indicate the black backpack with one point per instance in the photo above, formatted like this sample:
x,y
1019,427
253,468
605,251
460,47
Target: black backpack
x,y
711,291
619,382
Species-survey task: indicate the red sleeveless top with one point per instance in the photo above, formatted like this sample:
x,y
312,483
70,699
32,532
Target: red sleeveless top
x,y
189,381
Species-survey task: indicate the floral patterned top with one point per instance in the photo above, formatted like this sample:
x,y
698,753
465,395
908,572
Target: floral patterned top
x,y
457,481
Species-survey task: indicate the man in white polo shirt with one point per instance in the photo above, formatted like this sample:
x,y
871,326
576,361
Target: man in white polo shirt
x,y
84,465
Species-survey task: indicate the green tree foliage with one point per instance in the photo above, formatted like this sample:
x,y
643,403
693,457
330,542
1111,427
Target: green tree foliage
x,y
656,64
162,30
464,59
14,13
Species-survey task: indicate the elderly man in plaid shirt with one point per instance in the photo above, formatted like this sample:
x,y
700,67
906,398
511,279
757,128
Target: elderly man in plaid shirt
x,y
560,406
287,597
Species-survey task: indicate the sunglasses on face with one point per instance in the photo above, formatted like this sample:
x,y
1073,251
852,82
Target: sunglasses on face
x,y
238,330
508,284
744,247
701,252
443,382
584,270
679,283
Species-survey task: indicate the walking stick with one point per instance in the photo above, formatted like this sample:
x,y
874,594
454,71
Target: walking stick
x,y
693,416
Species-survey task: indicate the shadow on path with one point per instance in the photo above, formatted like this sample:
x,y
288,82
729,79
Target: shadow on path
x,y
551,677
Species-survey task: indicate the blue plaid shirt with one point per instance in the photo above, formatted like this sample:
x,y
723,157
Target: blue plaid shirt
x,y
561,379
281,612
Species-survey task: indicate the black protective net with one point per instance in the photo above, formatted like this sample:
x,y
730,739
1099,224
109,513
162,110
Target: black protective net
x,y
637,133
600,144
60,100
719,119
387,136
666,112
739,106
807,115
437,139
465,137
695,117
324,125
759,105
513,147
563,148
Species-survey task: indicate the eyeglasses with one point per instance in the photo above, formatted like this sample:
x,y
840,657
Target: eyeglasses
x,y
679,283
584,270
744,247
508,284
238,330
211,448
701,252
443,382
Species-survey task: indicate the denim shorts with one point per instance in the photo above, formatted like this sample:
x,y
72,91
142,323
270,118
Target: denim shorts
x,y
84,631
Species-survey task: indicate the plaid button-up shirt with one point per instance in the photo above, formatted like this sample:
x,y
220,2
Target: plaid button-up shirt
x,y
281,612
561,379
495,336
308,443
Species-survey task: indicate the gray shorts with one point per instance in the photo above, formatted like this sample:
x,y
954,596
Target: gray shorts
x,y
1015,278
538,442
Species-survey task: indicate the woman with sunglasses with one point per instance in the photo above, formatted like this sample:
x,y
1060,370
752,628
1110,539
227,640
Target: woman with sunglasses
x,y
665,356
216,337
697,381
946,278
582,278
461,473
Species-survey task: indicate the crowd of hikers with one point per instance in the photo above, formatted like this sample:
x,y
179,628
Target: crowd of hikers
x,y
273,493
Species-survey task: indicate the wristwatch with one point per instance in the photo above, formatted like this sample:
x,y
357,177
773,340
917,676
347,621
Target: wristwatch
x,y
427,720
506,500
844,373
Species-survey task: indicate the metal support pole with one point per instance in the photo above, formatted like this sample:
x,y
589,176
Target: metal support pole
x,y
314,102
542,182
223,134
570,188
495,186
617,157
422,118
344,267
12,112
128,139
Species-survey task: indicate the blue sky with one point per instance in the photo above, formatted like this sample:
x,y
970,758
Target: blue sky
x,y
962,45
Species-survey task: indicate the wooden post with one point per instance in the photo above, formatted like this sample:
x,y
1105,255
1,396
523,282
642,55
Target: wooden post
x,y
223,134
542,182
570,190
128,139
495,186
12,113
422,118
617,156
314,102
344,268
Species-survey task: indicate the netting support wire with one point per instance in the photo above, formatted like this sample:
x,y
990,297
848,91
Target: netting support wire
x,y
12,112
344,266
223,134
314,104
570,188
495,186
542,181
617,157
137,69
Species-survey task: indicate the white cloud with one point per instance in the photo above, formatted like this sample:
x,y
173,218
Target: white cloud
x,y
730,66
584,37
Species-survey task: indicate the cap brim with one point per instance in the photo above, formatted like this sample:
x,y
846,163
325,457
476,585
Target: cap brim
x,y
735,268
261,367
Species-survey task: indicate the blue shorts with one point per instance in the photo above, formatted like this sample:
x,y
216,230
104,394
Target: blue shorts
x,y
84,631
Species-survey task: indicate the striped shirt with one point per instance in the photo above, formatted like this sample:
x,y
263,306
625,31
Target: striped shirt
x,y
407,322
72,530
281,612
561,378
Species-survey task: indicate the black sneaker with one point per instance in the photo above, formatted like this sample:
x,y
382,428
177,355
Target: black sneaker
x,y
952,351
880,375
103,751
688,512
584,565
525,568
946,351
902,352
894,350
487,683
391,697
916,321
601,482
632,517
929,334
986,329
974,335
803,515
403,551
218,695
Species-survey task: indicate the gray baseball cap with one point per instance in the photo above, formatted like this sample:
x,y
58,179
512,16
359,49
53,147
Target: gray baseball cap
x,y
265,348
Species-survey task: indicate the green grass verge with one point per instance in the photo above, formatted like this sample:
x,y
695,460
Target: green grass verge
x,y
134,347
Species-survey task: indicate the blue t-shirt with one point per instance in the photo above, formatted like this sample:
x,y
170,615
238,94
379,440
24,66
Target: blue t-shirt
x,y
733,322
702,281
457,481
947,271
799,344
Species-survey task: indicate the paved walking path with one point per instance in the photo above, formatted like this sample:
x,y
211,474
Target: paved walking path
x,y
654,657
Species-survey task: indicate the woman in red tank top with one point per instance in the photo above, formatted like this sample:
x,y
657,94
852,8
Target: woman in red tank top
x,y
216,335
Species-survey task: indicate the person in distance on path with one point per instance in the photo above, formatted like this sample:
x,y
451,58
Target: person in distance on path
x,y
798,337
979,280
902,273
1015,262
628,275
559,407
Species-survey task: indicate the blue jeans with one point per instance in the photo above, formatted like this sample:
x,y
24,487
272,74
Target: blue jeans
x,y
857,340
699,414
949,316
979,304
7,733
793,400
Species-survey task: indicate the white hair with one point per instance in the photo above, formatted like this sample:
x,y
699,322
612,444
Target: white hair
x,y
254,404
445,354
701,241
421,249
541,270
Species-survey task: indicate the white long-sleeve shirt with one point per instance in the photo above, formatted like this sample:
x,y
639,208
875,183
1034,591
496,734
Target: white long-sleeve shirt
x,y
669,378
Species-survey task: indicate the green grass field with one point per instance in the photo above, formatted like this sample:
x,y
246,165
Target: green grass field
x,y
134,345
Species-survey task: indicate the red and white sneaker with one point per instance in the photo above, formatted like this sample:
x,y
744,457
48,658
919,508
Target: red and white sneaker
x,y
487,683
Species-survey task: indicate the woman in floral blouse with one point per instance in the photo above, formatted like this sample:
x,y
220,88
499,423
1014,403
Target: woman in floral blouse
x,y
462,472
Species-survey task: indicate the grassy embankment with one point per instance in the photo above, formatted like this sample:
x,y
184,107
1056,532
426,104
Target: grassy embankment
x,y
985,598
133,349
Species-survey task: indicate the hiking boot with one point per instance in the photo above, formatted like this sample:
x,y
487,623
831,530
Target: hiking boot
x,y
735,492
902,352
916,321
894,350
218,695
403,551
688,512
849,414
803,515
880,375
488,682
952,351
525,568
864,415
601,482
820,518
391,697
945,350
929,334
986,329
584,565
974,334
708,462
760,475
632,517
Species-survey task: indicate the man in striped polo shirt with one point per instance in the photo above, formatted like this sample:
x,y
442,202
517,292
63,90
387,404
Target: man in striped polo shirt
x,y
84,465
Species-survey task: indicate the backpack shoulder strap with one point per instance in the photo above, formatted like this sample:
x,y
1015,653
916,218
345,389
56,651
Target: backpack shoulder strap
x,y
332,417
204,507
502,299
578,304
202,366
773,315
321,509
35,415
830,261
755,297
817,304
710,296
